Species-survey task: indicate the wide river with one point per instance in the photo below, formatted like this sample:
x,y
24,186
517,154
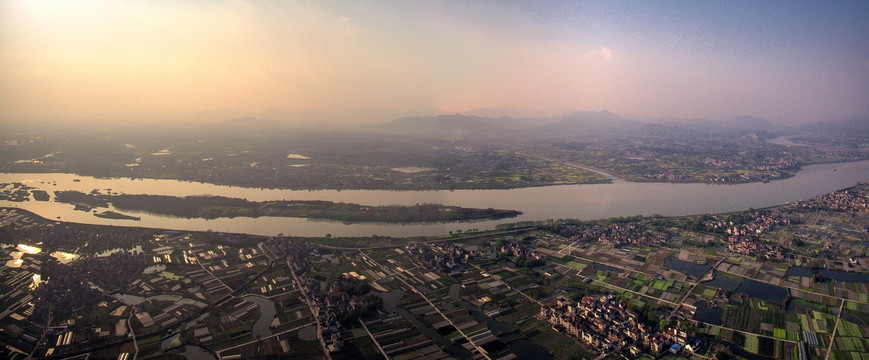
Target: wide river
x,y
539,203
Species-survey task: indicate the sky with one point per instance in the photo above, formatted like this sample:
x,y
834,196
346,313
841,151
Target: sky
x,y
795,61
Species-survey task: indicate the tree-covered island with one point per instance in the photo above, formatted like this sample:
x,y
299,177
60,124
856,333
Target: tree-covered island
x,y
213,207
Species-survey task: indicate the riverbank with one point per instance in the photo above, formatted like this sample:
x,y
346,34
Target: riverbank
x,y
584,202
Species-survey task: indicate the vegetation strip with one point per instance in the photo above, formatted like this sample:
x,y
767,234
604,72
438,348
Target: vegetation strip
x,y
212,207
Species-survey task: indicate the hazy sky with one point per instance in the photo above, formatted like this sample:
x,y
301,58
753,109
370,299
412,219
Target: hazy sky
x,y
784,60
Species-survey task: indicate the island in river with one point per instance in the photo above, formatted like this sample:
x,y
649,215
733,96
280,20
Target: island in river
x,y
116,215
774,274
213,207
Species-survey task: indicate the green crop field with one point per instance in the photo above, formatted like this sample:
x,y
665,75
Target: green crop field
x,y
849,329
779,333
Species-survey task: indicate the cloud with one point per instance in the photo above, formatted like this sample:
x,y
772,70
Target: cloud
x,y
604,54
349,29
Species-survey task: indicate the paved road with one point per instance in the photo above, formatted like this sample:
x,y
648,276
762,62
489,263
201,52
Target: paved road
x,y
612,177
376,343
835,328
451,239
414,289
304,296
220,353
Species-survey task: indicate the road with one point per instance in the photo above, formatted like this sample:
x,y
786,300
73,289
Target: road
x,y
693,286
510,287
835,329
439,240
436,309
376,343
199,261
612,177
307,299
220,353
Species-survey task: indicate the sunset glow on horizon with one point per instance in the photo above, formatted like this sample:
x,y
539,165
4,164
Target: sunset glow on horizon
x,y
791,62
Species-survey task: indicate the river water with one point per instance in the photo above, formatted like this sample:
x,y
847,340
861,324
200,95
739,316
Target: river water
x,y
267,311
584,202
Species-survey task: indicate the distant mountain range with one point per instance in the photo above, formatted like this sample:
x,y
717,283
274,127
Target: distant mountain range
x,y
595,124
583,124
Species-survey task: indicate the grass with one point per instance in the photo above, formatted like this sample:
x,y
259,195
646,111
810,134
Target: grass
x,y
779,333
854,344
171,276
714,330
577,265
804,322
849,329
709,293
663,284
751,343
760,304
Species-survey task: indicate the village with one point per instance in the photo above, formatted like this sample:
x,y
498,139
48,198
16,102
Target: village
x,y
710,286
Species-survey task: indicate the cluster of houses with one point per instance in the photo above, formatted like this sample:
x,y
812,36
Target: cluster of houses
x,y
743,238
737,162
673,339
292,250
670,176
339,299
342,299
443,257
846,200
604,322
515,250
601,321
616,234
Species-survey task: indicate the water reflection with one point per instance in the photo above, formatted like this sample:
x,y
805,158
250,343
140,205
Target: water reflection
x,y
686,267
723,282
763,291
267,311
539,203
27,249
837,275
37,279
153,269
64,257
15,263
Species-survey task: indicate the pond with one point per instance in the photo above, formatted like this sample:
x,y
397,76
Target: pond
x,y
836,275
153,269
763,291
687,267
308,333
723,282
171,342
708,315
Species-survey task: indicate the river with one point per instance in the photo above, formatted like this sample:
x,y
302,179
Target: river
x,y
584,202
